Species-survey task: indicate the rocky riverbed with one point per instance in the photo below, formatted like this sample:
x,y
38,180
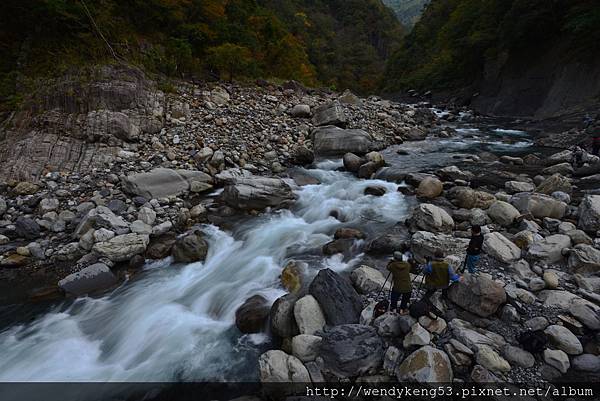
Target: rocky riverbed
x,y
277,208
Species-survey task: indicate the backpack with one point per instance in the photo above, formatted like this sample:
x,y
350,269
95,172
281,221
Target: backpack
x,y
419,308
380,308
533,341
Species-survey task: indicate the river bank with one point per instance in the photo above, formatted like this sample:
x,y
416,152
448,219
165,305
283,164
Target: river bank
x,y
270,209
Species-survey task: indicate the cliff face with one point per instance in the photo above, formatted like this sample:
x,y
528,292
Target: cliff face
x,y
544,84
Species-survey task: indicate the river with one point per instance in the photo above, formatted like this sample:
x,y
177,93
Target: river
x,y
176,322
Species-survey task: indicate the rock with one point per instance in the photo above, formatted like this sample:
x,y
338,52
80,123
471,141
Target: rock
x,y
352,162
550,280
430,188
334,141
554,298
503,213
26,188
308,314
349,98
584,259
428,217
474,337
478,294
306,347
91,279
426,365
162,228
219,96
524,239
101,217
366,279
122,247
367,170
300,111
341,304
342,246
538,205
117,206
557,169
283,321
276,366
424,244
190,248
14,260
549,250
3,206
435,326
563,339
48,205
162,182
564,227
302,155
102,235
557,359
522,270
388,325
518,356
252,315
512,160
537,323
589,214
348,233
27,228
257,193
329,114
139,227
352,350
489,359
554,183
291,277
501,248
453,173
518,186
579,237
586,312
468,198
417,336
587,363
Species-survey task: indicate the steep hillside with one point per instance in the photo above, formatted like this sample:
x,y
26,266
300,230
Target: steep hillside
x,y
315,42
407,11
522,57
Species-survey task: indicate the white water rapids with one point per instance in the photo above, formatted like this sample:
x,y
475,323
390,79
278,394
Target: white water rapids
x,y
177,322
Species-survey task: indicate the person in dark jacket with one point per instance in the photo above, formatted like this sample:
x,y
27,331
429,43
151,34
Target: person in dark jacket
x,y
400,268
474,249
438,275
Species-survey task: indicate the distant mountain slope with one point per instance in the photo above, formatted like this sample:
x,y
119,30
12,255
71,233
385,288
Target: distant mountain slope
x,y
520,57
408,11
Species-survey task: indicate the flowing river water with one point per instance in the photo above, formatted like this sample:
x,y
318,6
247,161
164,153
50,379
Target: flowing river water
x,y
176,322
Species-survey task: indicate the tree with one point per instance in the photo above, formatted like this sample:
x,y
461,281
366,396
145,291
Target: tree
x,y
230,59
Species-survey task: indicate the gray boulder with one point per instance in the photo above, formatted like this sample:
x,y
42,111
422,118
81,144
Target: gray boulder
x,y
589,213
584,259
352,350
478,294
431,218
426,365
122,247
549,250
27,228
276,366
88,280
538,205
340,303
501,248
190,248
163,182
101,217
300,111
503,213
424,244
329,114
258,193
283,322
555,183
563,339
334,141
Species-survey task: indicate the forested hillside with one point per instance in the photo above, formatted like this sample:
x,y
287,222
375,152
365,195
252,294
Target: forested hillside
x,y
454,39
316,42
407,11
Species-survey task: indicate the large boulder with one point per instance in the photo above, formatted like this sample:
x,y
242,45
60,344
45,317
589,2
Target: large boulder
x,y
258,193
589,213
190,248
88,280
122,247
306,347
430,188
563,339
101,217
252,315
308,314
584,259
331,113
469,198
366,279
549,250
282,319
352,350
276,366
431,218
426,365
501,248
503,213
555,182
352,162
334,141
539,205
27,228
163,182
478,294
424,244
340,303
